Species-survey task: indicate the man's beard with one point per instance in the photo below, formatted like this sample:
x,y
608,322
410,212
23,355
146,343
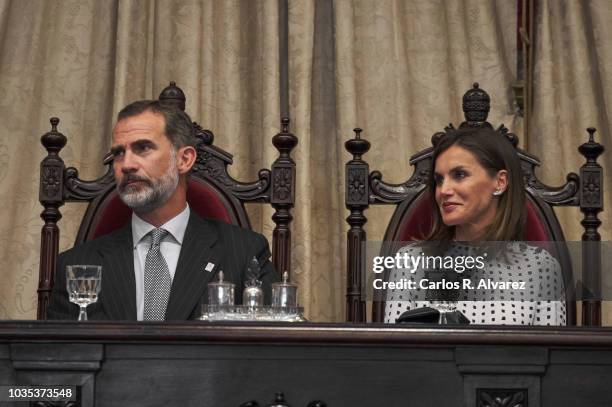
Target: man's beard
x,y
151,193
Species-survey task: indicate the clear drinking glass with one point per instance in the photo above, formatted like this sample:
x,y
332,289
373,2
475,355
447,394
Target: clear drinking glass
x,y
83,285
445,308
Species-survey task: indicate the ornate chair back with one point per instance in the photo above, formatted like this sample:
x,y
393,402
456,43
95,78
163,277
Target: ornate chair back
x,y
412,218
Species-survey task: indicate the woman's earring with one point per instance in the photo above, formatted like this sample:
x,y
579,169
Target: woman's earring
x,y
498,192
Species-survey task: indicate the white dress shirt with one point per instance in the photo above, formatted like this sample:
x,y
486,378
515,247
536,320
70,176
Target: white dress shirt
x,y
170,248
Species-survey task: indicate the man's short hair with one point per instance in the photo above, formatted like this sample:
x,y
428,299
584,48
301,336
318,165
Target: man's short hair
x,y
179,128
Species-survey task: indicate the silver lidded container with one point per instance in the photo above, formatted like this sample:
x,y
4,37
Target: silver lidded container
x,y
284,294
220,293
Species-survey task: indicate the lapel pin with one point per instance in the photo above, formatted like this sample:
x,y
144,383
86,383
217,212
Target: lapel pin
x,y
209,267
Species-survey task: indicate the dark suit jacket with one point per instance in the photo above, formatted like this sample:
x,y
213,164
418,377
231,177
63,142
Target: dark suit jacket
x,y
228,247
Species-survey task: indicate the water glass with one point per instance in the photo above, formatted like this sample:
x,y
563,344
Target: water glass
x,y
445,308
83,285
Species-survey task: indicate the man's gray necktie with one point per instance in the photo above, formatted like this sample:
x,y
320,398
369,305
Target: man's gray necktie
x,y
157,281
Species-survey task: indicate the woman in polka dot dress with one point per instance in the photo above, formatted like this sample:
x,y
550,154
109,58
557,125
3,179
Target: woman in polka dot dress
x,y
479,201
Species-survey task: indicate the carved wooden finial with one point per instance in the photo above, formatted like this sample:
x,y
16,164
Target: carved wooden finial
x,y
591,149
54,122
357,146
476,106
285,124
591,131
284,141
173,94
53,141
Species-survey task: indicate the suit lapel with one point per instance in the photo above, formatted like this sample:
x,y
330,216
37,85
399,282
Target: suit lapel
x,y
191,276
118,283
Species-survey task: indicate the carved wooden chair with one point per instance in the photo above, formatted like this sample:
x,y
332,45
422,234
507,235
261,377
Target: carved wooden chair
x,y
212,193
412,217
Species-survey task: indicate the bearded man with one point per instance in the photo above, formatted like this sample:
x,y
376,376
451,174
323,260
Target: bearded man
x,y
157,266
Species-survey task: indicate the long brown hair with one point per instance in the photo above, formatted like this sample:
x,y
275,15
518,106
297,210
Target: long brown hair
x,y
494,152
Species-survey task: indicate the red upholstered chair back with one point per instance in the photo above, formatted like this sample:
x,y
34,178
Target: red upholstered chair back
x,y
416,222
212,193
108,213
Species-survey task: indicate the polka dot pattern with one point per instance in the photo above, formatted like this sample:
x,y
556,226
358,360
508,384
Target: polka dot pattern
x,y
542,302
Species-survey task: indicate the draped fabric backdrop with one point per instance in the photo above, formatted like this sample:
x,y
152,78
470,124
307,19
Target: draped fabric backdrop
x,y
84,60
397,69
573,91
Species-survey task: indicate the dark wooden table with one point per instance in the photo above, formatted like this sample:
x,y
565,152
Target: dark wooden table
x,y
227,364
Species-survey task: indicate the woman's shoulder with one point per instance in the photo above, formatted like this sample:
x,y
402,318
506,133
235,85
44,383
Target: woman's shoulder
x,y
530,251
533,256
412,249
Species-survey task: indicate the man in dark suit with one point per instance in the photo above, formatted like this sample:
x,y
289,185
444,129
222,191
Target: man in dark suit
x,y
158,266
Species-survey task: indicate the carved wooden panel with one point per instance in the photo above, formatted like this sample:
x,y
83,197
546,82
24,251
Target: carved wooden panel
x,y
51,182
357,187
501,397
55,404
591,189
283,179
279,401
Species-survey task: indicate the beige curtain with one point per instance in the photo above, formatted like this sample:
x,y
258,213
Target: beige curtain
x,y
398,70
56,59
319,227
84,60
403,68
573,91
